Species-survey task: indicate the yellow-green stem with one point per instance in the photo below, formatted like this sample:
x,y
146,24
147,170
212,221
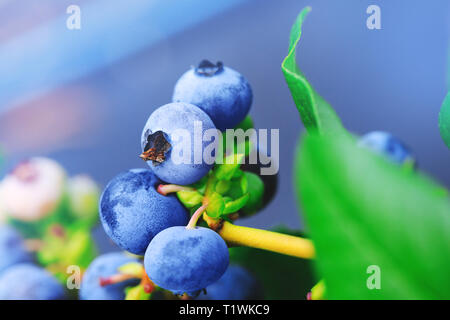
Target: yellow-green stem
x,y
262,239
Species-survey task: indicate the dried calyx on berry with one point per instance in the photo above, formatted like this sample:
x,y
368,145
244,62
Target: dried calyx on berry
x,y
209,69
156,147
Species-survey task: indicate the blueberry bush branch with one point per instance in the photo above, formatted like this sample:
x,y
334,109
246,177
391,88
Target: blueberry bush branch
x,y
262,239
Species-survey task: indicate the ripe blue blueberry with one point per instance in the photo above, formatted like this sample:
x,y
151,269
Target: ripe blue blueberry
x,y
223,93
386,144
103,267
12,248
186,260
28,282
132,212
175,145
235,284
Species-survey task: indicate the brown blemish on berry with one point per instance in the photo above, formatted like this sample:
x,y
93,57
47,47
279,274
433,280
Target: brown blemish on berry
x,y
156,148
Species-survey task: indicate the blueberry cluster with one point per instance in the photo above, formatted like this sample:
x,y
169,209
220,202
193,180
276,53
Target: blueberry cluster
x,y
153,212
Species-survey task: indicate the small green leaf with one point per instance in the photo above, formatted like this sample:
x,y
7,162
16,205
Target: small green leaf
x,y
190,198
216,205
244,183
227,199
231,164
236,205
201,184
78,249
133,268
444,120
237,146
245,124
223,186
237,174
364,211
238,187
315,112
256,193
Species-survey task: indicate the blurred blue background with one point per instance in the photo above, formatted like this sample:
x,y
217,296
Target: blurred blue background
x,y
83,96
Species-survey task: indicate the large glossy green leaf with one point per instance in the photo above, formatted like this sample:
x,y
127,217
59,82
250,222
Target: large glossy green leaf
x,y
364,211
315,112
444,120
282,277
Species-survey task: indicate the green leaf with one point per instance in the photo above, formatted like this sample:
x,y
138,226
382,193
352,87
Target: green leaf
x,y
76,247
235,205
238,187
79,249
362,211
444,120
201,184
216,205
227,199
236,146
245,124
256,193
281,276
315,112
244,183
236,190
190,198
231,164
223,186
238,173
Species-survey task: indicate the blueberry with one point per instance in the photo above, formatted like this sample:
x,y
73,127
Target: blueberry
x,y
12,248
105,266
173,158
235,284
186,260
133,212
223,93
28,282
386,144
